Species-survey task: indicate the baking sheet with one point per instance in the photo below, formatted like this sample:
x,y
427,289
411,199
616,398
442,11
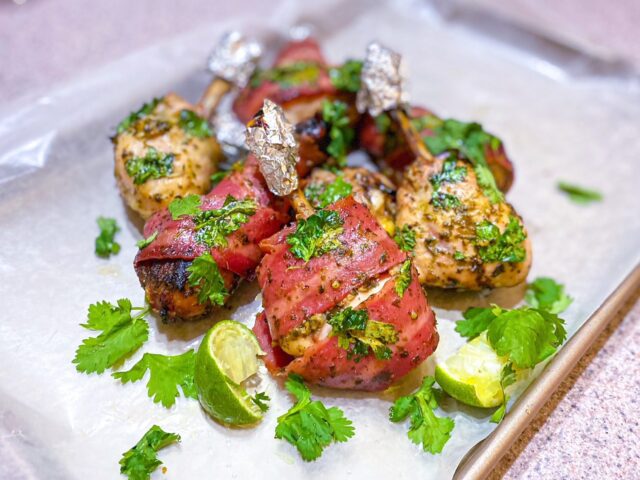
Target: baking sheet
x,y
56,178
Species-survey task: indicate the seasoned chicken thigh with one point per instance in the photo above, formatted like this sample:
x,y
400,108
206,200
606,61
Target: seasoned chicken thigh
x,y
163,151
465,236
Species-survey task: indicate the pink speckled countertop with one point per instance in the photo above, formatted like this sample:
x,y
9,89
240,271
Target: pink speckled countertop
x,y
590,427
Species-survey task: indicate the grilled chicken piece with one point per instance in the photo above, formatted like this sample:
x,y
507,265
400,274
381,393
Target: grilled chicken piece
x,y
372,189
162,153
463,240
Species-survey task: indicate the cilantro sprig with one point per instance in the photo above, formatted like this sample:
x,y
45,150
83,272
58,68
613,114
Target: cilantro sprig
x,y
346,77
151,166
309,425
205,274
322,196
426,429
405,237
316,235
166,373
140,461
105,242
494,246
193,124
579,194
121,334
340,132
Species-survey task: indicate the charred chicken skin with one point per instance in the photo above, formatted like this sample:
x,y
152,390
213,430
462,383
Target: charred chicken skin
x,y
163,151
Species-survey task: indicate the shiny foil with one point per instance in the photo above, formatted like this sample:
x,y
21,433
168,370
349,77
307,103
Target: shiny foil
x,y
234,58
270,138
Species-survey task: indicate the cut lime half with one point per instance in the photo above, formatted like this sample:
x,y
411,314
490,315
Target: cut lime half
x,y
228,356
472,374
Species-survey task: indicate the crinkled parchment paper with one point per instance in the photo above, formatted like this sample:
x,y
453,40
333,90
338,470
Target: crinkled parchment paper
x,y
56,174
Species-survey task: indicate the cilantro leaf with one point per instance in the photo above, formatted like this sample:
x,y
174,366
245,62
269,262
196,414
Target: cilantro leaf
x,y
193,124
579,194
139,114
121,335
287,76
138,462
403,279
450,173
213,226
309,425
205,274
145,242
322,196
105,244
153,165
165,374
340,132
316,235
476,320
445,201
189,205
405,238
347,76
507,246
425,427
260,399
546,294
470,141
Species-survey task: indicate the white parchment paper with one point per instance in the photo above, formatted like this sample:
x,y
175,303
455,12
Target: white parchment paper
x,y
56,178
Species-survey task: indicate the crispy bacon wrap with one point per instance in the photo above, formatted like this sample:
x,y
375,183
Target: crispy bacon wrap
x,y
162,265
294,291
382,139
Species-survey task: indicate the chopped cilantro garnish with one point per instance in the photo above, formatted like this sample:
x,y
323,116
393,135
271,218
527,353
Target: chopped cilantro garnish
x,y
340,131
189,205
547,294
153,165
322,196
445,201
450,174
105,244
470,141
405,238
347,76
193,124
260,399
287,76
134,117
579,194
426,428
403,279
507,246
458,255
205,274
359,335
145,242
121,334
309,425
139,462
316,235
166,373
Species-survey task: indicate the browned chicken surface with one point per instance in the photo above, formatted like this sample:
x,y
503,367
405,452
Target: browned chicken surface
x,y
462,238
163,151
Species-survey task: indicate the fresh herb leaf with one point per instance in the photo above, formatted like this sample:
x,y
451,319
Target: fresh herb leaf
x,y
472,142
580,194
139,462
194,125
458,255
347,76
476,320
494,246
287,76
145,242
134,117
153,165
425,427
405,238
121,335
340,132
166,373
316,235
403,279
546,294
189,205
309,425
260,399
450,174
359,335
214,226
445,201
105,243
205,274
322,196
499,414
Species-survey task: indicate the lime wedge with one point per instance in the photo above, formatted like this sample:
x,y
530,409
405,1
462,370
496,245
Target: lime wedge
x,y
228,356
472,374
